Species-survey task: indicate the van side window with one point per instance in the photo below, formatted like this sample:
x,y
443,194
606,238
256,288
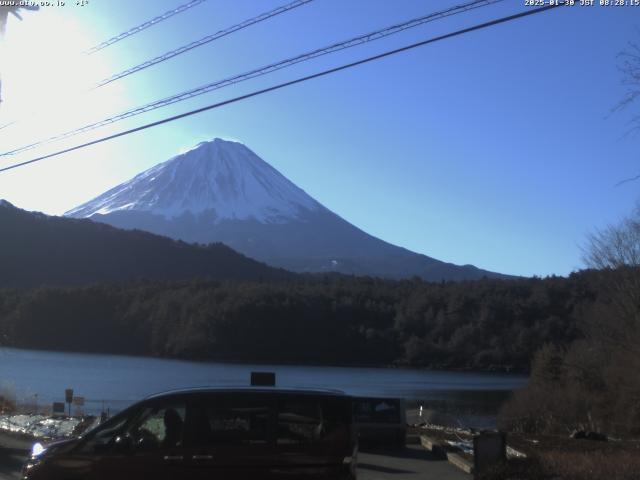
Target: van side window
x,y
300,421
223,420
379,410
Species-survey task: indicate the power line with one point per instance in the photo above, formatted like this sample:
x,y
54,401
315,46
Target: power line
x,y
143,26
6,125
185,48
359,40
202,41
289,83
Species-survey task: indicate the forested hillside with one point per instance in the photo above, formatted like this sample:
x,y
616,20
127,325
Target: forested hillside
x,y
37,249
485,324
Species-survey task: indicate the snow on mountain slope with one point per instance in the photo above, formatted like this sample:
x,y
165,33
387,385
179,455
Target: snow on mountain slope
x,y
219,176
220,191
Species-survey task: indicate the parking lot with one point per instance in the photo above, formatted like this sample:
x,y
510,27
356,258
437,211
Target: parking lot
x,y
408,463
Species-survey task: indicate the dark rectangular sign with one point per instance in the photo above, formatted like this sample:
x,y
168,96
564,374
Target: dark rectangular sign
x,y
263,379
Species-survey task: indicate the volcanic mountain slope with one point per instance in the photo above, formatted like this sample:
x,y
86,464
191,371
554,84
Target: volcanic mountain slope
x,y
220,191
36,250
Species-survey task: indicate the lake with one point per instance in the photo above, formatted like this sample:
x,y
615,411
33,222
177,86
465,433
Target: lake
x,y
116,381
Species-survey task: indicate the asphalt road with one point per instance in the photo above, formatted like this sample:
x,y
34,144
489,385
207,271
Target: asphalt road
x,y
412,462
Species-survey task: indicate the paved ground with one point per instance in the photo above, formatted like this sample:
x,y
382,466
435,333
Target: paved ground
x,y
412,462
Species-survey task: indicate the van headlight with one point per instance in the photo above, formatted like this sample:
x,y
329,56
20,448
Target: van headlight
x,y
37,450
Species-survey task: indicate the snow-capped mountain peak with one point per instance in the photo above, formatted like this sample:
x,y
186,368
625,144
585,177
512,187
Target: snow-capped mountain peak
x,y
222,177
220,191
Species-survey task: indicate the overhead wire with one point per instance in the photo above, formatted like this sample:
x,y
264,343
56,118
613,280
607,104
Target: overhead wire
x,y
185,48
203,41
289,83
359,40
143,26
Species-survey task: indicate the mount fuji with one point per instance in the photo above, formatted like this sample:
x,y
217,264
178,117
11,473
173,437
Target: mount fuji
x,y
220,191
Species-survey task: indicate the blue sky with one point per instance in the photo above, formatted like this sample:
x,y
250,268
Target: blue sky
x,y
495,148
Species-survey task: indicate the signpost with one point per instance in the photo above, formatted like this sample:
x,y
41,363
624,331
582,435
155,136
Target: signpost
x,y
263,379
68,398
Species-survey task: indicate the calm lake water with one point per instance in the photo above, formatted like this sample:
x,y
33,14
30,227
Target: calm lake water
x,y
116,381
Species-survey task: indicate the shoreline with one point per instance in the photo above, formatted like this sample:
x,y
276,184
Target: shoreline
x,y
488,371
473,396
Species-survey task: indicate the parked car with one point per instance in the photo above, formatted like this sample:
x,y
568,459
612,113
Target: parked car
x,y
381,421
251,433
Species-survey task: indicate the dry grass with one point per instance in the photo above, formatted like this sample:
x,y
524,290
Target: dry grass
x,y
591,465
607,464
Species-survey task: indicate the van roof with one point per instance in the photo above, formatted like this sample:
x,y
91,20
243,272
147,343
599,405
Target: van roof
x,y
259,390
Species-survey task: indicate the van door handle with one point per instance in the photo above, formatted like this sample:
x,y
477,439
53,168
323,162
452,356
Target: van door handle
x,y
173,458
202,457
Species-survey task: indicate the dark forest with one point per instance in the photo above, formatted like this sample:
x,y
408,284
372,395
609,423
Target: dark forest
x,y
484,325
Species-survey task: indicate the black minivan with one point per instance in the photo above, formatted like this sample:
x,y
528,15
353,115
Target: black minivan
x,y
239,433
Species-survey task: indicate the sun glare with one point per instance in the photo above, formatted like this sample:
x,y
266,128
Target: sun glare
x,y
46,77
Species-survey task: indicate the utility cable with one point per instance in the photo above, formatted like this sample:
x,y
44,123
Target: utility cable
x,y
203,41
369,37
144,26
185,48
289,83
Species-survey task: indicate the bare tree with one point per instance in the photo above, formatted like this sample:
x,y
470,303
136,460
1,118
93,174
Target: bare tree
x,y
629,67
616,250
593,383
616,246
